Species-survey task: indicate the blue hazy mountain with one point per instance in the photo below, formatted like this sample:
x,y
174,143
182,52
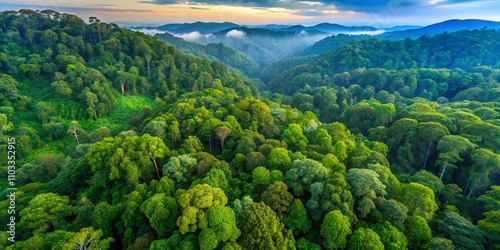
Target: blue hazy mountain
x,y
201,27
437,28
331,28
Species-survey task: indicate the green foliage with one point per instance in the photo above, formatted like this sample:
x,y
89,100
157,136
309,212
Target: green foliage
x,y
365,238
391,237
417,231
335,228
461,231
297,219
366,186
161,211
46,212
221,228
86,238
194,203
261,229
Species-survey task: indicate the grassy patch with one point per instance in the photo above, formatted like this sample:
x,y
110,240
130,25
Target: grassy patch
x,y
117,121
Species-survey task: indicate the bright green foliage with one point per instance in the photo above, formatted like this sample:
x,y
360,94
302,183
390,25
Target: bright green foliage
x,y
86,238
161,211
46,212
491,225
304,244
417,231
221,228
129,158
279,159
461,231
439,243
297,219
261,176
491,199
366,186
304,173
261,229
277,197
335,228
419,200
365,238
180,169
294,137
194,202
391,237
331,162
104,217
451,147
176,242
392,211
429,180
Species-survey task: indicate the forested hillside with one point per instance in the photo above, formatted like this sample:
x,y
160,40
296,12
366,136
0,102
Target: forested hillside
x,y
124,142
220,51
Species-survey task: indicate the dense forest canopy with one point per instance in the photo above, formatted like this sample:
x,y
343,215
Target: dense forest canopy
x,y
124,142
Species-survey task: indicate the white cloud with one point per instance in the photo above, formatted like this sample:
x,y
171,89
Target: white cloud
x,y
195,35
235,33
150,32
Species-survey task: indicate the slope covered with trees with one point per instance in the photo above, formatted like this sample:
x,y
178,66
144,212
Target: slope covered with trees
x,y
123,142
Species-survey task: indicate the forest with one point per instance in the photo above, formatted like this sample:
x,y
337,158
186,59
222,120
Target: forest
x,y
121,141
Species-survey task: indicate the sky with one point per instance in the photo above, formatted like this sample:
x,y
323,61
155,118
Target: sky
x,y
377,13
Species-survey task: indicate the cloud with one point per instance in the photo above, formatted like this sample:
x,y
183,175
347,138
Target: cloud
x,y
195,35
69,9
235,34
317,7
150,32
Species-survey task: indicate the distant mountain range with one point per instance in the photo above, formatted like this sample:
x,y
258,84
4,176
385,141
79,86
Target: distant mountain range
x,y
437,28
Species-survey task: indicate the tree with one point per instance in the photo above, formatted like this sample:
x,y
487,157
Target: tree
x,y
429,180
297,219
450,147
461,231
439,243
277,197
417,231
391,237
72,129
279,159
365,187
303,173
161,210
490,225
180,169
261,229
46,212
419,200
365,238
221,228
222,133
335,228
491,199
294,137
194,203
86,238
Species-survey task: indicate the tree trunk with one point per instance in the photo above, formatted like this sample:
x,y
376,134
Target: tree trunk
x,y
123,88
442,173
427,155
76,137
156,165
467,186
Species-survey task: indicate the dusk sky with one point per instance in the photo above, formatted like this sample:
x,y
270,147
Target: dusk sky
x,y
378,13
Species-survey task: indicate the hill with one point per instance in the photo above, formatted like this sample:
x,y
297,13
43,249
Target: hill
x,y
331,28
463,49
437,28
220,52
201,27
